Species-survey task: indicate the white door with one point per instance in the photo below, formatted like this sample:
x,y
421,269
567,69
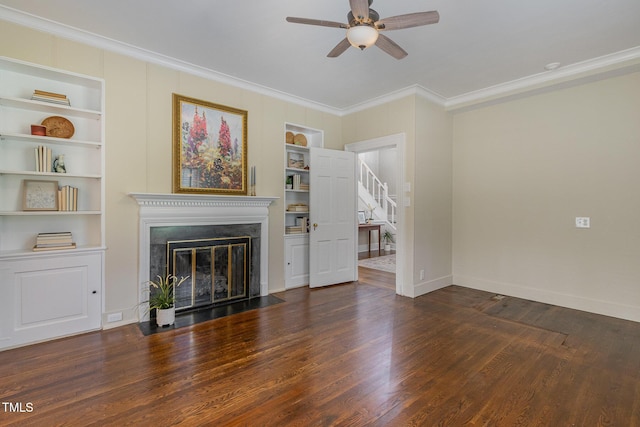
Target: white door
x,y
332,238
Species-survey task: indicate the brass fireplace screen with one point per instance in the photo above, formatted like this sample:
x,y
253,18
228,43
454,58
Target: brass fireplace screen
x,y
218,270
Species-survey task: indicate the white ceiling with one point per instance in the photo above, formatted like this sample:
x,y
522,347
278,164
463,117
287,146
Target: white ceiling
x,y
479,48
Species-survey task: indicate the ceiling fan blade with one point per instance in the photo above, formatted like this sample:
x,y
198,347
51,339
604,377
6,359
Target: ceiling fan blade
x,y
339,49
390,47
409,20
360,9
319,22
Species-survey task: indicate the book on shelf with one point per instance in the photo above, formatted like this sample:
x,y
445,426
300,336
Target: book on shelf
x,y
65,237
303,221
298,207
68,198
56,98
44,159
53,241
295,229
55,245
53,248
55,234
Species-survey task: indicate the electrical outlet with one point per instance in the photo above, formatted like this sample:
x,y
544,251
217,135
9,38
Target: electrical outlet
x,y
114,317
583,222
421,274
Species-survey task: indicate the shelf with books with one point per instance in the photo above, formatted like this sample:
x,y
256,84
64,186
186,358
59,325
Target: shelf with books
x,y
299,140
36,172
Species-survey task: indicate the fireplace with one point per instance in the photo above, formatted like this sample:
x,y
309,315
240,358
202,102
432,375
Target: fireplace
x,y
217,271
221,262
220,242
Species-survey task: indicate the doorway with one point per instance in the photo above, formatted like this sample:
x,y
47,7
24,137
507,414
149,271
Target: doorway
x,y
392,142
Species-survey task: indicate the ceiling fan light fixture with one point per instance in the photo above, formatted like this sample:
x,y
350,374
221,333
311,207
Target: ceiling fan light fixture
x,y
362,36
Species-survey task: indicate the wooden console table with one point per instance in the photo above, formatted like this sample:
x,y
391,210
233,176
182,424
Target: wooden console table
x,y
370,228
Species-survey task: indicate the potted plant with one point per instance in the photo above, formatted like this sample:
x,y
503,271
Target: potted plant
x,y
162,298
387,237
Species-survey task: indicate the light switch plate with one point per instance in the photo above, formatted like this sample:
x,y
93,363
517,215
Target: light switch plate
x,y
583,222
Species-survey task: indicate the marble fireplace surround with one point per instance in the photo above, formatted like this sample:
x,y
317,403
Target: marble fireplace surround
x,y
160,210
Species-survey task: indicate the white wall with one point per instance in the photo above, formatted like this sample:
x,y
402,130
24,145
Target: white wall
x,y
523,170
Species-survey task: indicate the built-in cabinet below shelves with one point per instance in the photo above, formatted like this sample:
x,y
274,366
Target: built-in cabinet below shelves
x,y
299,140
74,278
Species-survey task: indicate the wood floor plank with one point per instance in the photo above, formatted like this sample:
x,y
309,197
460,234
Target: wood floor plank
x,y
354,354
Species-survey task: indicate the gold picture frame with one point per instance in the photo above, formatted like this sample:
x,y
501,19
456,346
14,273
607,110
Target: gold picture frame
x,y
209,147
39,195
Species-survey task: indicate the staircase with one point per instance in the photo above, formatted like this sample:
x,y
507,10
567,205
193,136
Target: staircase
x,y
374,193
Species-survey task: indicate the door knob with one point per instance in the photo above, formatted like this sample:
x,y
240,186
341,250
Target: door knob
x,y
315,225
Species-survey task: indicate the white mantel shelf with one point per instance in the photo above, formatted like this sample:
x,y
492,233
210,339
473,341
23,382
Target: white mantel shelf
x,y
200,200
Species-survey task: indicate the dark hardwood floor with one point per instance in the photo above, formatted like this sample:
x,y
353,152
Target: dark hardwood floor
x,y
353,354
373,276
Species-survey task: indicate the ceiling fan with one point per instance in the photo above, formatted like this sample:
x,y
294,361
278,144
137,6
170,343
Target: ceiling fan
x,y
365,26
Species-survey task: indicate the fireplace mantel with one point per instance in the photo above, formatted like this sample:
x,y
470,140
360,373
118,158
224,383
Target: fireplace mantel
x,y
159,210
164,200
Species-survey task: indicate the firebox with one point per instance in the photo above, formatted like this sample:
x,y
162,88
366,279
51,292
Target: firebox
x,y
218,270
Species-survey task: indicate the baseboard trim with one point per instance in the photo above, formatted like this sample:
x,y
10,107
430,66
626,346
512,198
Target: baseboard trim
x,y
431,285
576,302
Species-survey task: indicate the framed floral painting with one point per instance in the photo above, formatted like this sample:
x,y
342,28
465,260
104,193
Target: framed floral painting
x,y
209,147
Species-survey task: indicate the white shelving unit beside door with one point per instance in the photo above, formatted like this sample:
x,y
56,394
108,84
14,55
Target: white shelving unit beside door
x,y
52,293
298,142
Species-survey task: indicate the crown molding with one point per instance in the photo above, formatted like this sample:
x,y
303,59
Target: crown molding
x,y
590,70
85,37
415,90
618,63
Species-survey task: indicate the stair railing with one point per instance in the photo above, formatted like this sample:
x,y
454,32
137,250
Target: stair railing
x,y
379,191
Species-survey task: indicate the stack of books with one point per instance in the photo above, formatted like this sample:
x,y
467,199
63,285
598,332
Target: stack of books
x,y
56,98
298,207
54,241
43,159
295,229
68,198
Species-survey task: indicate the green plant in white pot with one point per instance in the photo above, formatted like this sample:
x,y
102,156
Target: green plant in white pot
x,y
162,298
387,237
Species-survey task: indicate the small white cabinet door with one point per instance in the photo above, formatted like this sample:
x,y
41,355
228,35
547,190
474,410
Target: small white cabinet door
x,y
49,297
297,261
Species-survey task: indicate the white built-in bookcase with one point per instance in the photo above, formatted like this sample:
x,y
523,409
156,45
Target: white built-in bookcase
x,y
69,282
297,244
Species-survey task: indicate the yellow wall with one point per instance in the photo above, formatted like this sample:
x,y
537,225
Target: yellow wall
x,y
494,191
426,238
523,170
139,143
